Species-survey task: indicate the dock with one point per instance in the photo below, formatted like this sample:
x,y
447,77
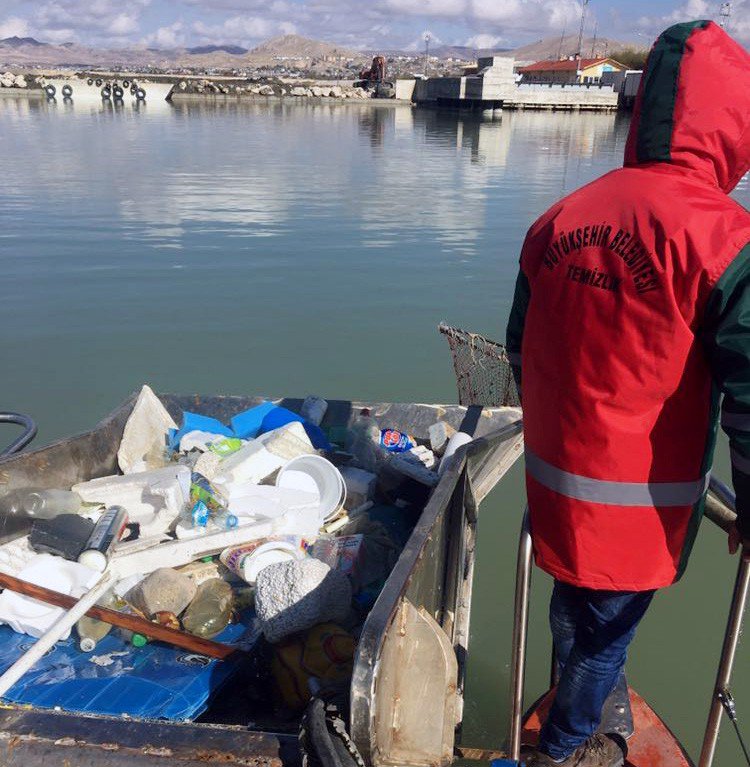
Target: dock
x,y
493,87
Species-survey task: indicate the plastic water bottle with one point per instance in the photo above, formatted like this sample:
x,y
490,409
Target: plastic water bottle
x,y
40,504
211,609
90,630
364,441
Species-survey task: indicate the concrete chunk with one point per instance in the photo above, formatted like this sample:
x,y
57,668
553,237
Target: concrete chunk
x,y
297,595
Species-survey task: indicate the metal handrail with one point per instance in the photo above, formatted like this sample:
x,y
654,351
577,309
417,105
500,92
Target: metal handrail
x,y
731,635
29,433
720,509
520,635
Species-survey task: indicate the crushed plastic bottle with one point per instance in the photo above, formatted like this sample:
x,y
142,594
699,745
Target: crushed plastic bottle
x,y
211,609
40,504
364,441
90,630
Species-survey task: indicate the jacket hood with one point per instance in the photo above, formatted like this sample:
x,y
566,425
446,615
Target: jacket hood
x,y
693,105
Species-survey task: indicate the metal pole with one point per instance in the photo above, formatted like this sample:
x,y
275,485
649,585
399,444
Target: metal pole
x,y
731,640
520,635
729,650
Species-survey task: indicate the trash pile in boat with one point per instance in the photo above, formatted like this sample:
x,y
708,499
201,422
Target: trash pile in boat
x,y
247,551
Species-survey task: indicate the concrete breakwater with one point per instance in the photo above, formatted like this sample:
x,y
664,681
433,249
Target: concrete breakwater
x,y
267,88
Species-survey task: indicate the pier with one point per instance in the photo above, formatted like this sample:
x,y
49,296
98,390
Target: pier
x,y
494,87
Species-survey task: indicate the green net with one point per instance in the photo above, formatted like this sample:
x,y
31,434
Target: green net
x,y
483,371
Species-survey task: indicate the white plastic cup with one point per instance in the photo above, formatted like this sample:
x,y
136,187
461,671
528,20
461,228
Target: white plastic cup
x,y
459,439
315,474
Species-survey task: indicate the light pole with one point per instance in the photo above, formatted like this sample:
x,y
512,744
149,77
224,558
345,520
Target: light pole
x,y
725,12
426,51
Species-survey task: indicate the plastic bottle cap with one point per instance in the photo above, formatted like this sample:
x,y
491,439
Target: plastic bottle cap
x,y
207,559
93,559
87,644
139,640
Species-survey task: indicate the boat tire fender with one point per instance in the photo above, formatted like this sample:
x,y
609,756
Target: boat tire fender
x,y
140,94
126,84
106,93
50,90
89,81
98,83
67,91
117,91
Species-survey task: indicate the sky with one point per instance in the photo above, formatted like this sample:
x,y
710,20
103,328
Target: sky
x,y
354,24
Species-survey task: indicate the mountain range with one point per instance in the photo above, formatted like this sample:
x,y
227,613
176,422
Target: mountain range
x,y
28,52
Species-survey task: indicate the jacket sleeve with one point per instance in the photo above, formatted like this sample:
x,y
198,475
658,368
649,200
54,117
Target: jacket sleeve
x,y
727,343
514,332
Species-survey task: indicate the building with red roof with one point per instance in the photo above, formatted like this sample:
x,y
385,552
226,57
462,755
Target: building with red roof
x,y
573,70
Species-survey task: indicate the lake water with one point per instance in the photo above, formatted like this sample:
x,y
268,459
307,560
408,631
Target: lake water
x,y
283,249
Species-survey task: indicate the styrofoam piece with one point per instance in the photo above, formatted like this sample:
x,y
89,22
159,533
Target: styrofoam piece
x,y
32,617
459,439
273,504
181,552
313,409
151,498
145,435
288,441
251,463
15,555
360,486
57,631
313,473
198,440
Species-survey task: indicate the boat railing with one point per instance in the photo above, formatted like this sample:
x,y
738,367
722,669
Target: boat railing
x,y
720,509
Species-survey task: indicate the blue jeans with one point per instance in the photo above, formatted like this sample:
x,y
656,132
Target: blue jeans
x,y
591,631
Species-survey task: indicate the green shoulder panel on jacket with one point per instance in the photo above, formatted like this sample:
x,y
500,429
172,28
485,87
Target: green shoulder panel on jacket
x,y
726,337
654,137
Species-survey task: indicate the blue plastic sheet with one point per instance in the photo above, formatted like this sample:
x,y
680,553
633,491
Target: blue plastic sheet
x,y
267,417
197,422
152,682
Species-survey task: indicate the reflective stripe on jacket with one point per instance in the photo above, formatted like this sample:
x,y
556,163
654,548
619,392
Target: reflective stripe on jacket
x,y
631,316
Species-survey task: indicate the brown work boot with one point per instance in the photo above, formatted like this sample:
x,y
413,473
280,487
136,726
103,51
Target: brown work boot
x,y
597,751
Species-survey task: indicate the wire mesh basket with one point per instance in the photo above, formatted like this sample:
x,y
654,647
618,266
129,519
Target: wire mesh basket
x,y
483,372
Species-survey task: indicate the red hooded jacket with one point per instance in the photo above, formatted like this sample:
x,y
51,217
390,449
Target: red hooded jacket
x,y
631,316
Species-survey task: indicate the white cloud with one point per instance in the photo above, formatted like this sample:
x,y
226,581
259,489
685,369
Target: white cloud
x,y
14,27
484,41
246,30
171,36
449,8
738,24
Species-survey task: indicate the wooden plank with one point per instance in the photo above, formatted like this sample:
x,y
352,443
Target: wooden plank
x,y
134,623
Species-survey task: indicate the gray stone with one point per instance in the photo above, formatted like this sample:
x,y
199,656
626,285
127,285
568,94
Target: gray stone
x,y
20,81
335,92
294,596
265,90
298,90
163,590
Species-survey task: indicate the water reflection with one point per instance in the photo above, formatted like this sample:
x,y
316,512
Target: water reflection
x,y
256,169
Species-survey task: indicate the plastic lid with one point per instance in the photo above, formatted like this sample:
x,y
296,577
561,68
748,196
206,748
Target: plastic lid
x,y
139,640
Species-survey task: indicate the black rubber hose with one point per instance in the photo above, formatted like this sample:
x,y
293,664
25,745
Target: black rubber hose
x,y
30,430
320,743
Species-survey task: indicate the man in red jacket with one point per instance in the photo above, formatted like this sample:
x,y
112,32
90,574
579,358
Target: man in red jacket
x,y
631,317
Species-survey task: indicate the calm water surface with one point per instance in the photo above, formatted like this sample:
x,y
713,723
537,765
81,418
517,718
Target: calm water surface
x,y
288,249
